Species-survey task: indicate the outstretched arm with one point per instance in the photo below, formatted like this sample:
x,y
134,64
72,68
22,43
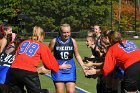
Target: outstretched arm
x,y
93,71
77,55
51,44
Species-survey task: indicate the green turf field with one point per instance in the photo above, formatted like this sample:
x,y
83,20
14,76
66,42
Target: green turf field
x,y
82,82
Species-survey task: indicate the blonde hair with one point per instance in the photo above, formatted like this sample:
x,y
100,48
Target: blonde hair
x,y
92,38
90,33
98,27
115,37
38,33
65,25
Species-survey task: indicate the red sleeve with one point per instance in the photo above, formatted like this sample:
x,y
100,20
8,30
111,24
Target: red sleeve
x,y
48,59
109,63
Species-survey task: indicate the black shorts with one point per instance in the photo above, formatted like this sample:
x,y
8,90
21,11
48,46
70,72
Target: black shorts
x,y
22,78
63,82
131,80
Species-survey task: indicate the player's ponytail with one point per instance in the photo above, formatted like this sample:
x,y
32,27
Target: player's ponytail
x,y
115,37
38,34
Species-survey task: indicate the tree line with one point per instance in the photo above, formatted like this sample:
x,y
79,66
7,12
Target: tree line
x,y
80,14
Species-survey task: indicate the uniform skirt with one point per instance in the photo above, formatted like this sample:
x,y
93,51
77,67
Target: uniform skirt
x,y
65,74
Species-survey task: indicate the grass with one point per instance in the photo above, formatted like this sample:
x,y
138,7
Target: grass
x,y
82,82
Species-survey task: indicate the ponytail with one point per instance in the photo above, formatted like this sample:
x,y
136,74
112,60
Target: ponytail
x,y
38,33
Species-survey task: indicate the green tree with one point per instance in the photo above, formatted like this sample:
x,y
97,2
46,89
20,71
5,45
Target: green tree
x,y
80,14
9,9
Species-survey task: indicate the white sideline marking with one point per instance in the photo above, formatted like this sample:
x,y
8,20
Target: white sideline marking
x,y
77,88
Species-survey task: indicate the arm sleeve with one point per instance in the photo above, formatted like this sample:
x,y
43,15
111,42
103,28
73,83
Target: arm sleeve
x,y
109,63
49,60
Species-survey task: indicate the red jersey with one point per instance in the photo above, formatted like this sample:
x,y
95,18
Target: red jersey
x,y
124,56
30,53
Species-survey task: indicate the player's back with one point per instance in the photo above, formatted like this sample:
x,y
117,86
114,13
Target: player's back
x,y
28,55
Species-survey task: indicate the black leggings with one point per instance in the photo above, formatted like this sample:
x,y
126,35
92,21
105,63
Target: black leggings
x,y
131,80
21,78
